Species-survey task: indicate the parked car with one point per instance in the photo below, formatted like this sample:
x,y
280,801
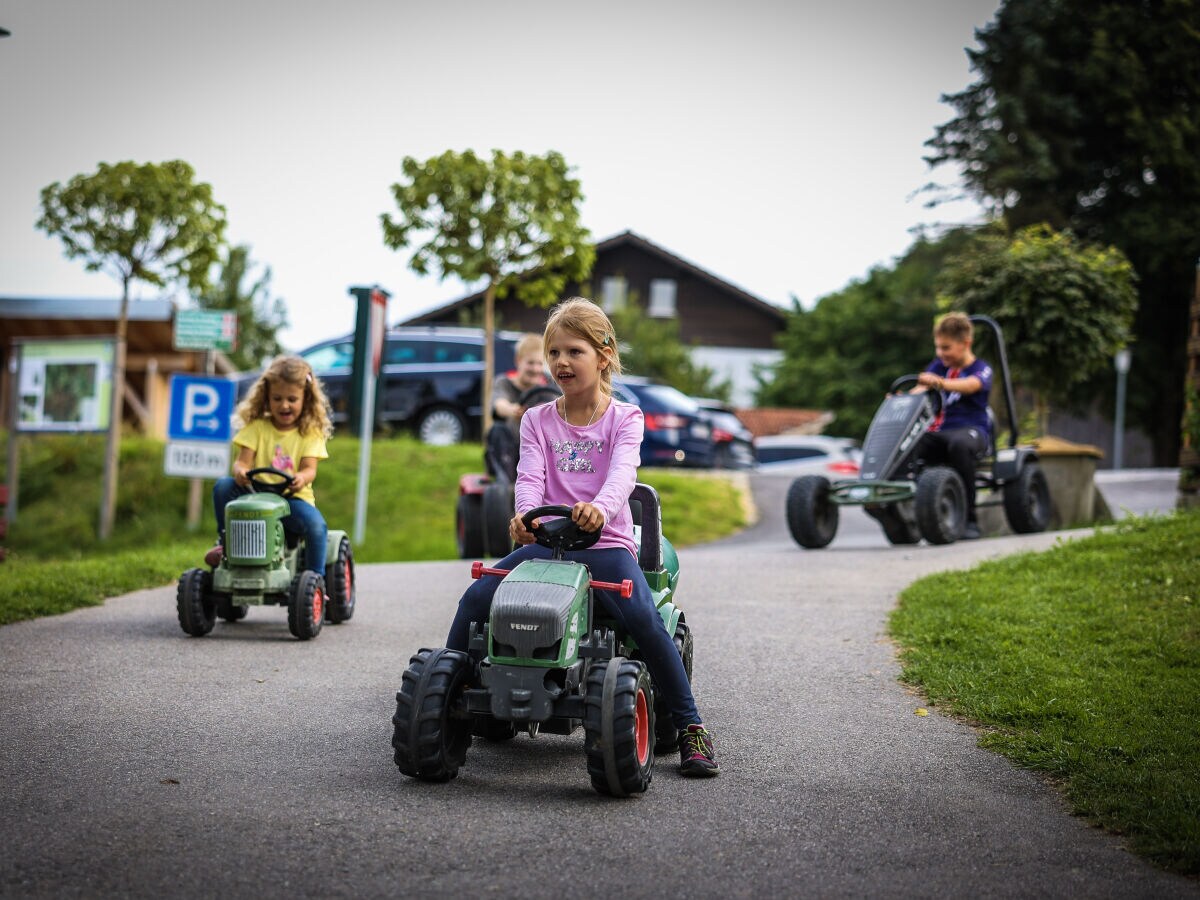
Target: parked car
x,y
676,433
430,381
733,442
809,454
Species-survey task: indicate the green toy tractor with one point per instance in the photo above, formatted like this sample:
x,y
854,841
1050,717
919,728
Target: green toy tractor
x,y
547,661
264,564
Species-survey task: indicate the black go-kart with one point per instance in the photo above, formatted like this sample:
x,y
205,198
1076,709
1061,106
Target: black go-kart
x,y
910,499
485,500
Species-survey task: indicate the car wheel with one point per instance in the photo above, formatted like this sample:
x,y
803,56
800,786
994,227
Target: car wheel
x,y
468,526
194,602
1027,500
619,727
442,426
941,504
430,741
811,516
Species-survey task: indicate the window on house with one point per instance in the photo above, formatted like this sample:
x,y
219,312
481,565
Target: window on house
x,y
662,298
613,291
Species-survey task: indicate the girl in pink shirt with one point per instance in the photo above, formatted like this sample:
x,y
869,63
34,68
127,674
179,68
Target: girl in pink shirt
x,y
582,451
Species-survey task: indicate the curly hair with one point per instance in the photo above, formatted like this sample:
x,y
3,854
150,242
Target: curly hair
x,y
586,321
293,370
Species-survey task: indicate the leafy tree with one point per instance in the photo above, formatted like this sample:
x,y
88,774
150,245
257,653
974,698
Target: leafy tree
x,y
259,317
152,223
844,353
1065,307
511,221
652,347
1084,116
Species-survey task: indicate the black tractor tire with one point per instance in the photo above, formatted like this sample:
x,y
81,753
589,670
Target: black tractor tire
x,y
812,518
494,730
230,611
497,513
343,591
468,526
666,736
429,739
899,526
306,606
194,602
941,504
618,727
1027,500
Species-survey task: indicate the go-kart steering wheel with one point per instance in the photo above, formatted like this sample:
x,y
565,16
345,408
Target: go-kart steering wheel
x,y
934,397
561,535
538,394
269,487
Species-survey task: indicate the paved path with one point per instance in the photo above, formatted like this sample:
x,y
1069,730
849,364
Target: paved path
x,y
137,762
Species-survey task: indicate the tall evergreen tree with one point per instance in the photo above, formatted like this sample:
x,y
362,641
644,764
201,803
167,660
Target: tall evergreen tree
x,y
259,317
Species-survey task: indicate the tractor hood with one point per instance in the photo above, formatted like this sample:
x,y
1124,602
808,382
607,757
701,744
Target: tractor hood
x,y
532,610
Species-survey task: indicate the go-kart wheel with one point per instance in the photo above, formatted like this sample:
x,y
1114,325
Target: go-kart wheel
x,y
339,577
497,513
666,735
230,611
898,520
468,526
941,504
194,602
1027,500
619,727
494,730
431,735
561,534
306,607
811,516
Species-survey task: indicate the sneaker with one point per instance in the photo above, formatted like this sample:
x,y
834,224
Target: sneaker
x,y
213,557
696,755
971,532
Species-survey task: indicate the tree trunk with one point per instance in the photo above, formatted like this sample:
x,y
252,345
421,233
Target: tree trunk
x,y
112,445
489,353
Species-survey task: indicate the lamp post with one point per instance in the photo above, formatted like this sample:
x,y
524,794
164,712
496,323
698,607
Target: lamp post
x,y
1121,361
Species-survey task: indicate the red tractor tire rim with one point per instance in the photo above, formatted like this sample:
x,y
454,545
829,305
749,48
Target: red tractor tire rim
x,y
641,728
348,580
318,606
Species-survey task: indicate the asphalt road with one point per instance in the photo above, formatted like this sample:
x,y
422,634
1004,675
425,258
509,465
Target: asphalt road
x,y
135,761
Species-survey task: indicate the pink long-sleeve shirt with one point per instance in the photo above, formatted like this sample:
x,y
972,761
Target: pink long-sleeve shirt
x,y
563,464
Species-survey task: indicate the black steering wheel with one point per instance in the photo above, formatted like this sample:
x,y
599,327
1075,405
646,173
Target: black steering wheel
x,y
561,535
933,398
538,394
269,487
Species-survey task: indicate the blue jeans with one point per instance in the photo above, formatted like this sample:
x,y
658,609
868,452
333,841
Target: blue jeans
x,y
637,616
304,519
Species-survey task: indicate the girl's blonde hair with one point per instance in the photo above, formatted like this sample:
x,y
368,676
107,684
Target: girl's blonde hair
x,y
527,346
293,370
587,321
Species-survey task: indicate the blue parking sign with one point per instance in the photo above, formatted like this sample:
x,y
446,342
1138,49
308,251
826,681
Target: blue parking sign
x,y
201,409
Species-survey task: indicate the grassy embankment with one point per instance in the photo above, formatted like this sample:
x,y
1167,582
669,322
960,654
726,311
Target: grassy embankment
x,y
55,563
1082,663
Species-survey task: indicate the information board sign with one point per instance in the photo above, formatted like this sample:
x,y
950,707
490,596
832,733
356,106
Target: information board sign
x,y
205,329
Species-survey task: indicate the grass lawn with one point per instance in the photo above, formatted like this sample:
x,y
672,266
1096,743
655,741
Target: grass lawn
x,y
1082,663
55,563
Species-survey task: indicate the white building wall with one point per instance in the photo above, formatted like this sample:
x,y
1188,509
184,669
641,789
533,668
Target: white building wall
x,y
736,365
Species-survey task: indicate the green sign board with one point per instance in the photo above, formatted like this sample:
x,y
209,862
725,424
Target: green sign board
x,y
205,329
64,385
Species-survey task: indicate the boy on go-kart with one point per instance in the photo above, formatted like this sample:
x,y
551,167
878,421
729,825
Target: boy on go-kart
x,y
962,432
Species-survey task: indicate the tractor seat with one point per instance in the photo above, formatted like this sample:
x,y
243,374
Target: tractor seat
x,y
647,513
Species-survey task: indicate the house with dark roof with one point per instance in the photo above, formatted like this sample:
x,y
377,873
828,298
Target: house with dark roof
x,y
150,355
727,328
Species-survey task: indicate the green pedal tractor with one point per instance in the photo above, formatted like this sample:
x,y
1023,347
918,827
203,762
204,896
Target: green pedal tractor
x,y
263,564
547,661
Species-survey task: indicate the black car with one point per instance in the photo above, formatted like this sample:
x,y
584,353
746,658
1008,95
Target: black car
x,y
733,442
676,432
431,379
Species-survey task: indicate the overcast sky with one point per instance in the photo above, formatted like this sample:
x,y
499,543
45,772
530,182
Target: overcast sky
x,y
776,144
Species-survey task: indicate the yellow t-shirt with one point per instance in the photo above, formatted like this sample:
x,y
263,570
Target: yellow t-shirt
x,y
282,450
